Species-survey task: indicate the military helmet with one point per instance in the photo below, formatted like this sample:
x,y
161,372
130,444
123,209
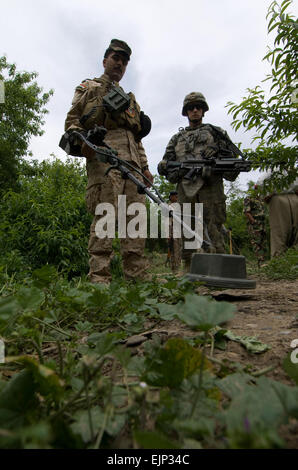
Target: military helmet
x,y
194,97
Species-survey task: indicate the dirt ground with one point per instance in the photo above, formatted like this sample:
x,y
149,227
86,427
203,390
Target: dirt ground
x,y
269,313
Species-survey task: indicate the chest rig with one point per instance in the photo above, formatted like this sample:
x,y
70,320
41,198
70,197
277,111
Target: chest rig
x,y
112,108
191,143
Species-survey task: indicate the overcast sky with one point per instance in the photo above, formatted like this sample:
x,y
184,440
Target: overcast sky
x,y
212,46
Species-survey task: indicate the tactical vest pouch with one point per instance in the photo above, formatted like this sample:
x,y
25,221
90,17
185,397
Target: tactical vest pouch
x,y
145,122
116,100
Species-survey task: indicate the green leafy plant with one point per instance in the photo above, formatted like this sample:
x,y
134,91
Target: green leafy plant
x,y
76,383
284,266
21,117
273,115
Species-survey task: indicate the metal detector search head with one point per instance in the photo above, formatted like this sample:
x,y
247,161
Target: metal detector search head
x,y
220,270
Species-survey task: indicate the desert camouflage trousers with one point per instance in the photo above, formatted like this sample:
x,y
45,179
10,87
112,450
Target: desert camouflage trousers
x,y
214,216
283,219
100,249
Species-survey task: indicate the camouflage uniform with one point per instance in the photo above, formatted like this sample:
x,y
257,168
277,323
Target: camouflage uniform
x,y
122,135
192,143
283,219
257,233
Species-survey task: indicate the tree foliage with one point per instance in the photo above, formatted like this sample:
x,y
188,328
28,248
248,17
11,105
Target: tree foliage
x,y
21,117
273,114
46,220
164,187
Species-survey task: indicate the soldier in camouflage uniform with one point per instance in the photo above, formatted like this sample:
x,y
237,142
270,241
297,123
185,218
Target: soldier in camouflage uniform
x,y
283,219
255,214
201,141
124,133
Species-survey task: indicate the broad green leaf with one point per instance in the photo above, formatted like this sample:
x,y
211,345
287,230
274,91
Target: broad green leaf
x,y
104,342
196,427
288,397
39,432
136,365
115,423
76,383
202,313
81,424
123,355
265,405
291,368
119,396
234,384
166,312
130,318
45,380
172,363
19,393
8,306
30,298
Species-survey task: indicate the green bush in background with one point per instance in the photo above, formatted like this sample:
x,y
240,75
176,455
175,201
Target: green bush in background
x,y
46,221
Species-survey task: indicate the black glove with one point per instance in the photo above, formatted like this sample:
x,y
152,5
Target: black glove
x,y
162,168
96,135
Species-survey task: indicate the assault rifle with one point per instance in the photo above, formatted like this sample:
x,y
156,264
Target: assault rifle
x,y
190,168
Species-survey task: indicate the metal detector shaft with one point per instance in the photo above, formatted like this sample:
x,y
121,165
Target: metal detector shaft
x,y
142,188
105,154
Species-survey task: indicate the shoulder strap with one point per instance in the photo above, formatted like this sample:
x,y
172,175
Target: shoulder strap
x,y
223,135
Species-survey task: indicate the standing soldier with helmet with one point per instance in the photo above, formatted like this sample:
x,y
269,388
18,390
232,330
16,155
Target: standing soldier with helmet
x,y
255,214
94,105
200,141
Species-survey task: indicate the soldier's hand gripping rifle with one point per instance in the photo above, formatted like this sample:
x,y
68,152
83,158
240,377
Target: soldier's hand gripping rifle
x,y
105,154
